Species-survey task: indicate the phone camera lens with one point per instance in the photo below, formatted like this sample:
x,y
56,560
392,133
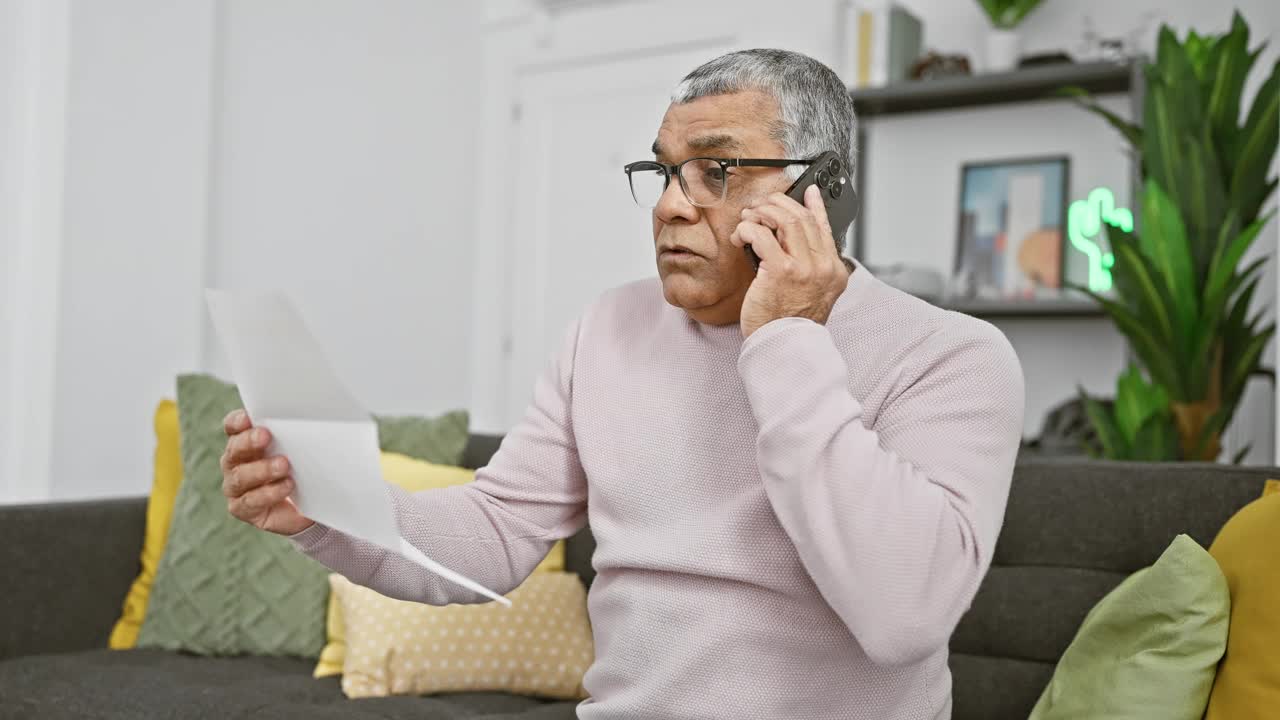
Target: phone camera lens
x,y
822,178
835,189
833,167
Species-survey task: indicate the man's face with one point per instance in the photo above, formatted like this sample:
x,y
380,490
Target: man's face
x,y
701,271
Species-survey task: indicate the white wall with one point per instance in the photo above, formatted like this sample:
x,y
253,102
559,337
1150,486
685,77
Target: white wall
x,y
344,175
33,103
320,147
9,144
135,194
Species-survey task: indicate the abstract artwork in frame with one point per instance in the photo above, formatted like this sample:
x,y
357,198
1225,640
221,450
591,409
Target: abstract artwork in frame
x,y
1011,227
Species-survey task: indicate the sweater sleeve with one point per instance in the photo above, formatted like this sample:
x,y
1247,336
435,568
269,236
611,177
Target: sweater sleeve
x,y
494,530
896,522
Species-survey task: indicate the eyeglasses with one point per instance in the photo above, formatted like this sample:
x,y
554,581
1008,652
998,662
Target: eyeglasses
x,y
704,180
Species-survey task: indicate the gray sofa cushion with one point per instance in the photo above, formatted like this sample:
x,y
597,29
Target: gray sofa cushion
x,y
158,684
1073,530
64,568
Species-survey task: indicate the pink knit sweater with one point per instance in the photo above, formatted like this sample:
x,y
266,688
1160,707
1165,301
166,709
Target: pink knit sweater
x,y
787,527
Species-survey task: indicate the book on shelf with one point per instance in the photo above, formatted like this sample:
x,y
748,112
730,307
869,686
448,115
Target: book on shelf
x,y
881,41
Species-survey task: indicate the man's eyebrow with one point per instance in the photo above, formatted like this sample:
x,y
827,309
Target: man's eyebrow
x,y
721,141
715,142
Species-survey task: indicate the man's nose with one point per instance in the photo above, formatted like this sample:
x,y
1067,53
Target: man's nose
x,y
673,206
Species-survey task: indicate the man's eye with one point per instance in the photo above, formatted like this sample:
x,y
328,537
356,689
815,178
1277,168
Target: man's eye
x,y
715,176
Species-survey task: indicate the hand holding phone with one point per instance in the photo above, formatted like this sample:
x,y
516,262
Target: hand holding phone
x,y
830,173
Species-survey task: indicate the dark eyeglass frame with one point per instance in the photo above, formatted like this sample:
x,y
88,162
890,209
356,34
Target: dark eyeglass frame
x,y
678,170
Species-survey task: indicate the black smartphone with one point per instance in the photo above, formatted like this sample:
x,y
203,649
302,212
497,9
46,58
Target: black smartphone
x,y
830,173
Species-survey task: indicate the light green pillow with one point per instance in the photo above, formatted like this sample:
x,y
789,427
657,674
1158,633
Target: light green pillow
x,y
226,588
1150,648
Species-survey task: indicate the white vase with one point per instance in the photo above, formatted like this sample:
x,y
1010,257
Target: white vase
x,y
1002,50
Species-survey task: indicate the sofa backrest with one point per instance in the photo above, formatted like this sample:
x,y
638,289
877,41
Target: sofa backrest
x,y
1072,531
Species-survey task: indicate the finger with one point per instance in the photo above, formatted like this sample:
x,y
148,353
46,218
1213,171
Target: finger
x,y
236,421
787,225
769,221
813,201
260,499
735,238
763,242
805,224
245,447
248,476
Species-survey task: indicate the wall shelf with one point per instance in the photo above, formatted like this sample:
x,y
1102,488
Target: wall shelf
x,y
1034,83
992,89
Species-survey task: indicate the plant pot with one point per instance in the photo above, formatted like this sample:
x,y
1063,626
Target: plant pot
x,y
1191,419
1003,47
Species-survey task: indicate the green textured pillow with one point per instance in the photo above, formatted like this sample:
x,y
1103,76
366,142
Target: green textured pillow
x,y
1150,648
227,588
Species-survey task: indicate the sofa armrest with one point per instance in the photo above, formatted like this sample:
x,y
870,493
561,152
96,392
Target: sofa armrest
x,y
66,568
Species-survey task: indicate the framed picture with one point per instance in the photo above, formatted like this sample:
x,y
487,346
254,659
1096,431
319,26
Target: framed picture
x,y
1011,227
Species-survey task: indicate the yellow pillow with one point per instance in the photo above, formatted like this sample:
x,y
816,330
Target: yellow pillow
x,y
1247,685
540,646
164,489
415,476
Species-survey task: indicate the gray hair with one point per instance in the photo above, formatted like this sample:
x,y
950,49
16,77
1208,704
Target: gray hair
x,y
815,112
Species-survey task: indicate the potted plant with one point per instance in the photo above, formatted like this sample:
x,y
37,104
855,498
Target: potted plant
x,y
1003,46
1183,293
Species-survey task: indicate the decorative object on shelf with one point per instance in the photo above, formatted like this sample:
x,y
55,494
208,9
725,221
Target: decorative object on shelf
x,y
935,65
1065,432
1009,239
882,41
1044,58
1094,47
1003,44
1182,290
922,282
1088,245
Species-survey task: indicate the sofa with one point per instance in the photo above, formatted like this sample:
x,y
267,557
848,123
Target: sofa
x,y
1073,530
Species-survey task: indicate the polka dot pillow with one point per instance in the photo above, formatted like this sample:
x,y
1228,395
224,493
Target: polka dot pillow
x,y
540,646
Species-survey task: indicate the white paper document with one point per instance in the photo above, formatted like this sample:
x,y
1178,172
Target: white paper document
x,y
331,441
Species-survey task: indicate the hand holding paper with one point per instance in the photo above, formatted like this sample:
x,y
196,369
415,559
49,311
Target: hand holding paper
x,y
330,439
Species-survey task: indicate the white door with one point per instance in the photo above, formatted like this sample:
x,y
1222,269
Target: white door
x,y
581,106
575,230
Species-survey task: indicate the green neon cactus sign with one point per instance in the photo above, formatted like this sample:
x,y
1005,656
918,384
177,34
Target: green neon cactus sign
x,y
1084,229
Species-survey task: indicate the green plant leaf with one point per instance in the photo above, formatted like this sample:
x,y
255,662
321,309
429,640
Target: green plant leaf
x,y
1104,426
1202,190
1006,14
1255,148
1148,296
1166,244
1234,377
1136,401
1162,152
1223,266
1156,440
1229,65
1131,132
1239,456
1150,351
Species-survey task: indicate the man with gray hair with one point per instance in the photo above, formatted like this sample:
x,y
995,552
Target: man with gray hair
x,y
795,474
